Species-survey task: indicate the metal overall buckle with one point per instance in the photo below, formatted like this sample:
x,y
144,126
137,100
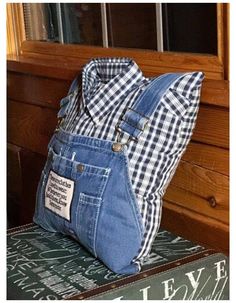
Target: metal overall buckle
x,y
118,146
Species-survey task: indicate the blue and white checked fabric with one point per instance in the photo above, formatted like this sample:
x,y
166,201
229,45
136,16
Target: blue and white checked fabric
x,y
110,86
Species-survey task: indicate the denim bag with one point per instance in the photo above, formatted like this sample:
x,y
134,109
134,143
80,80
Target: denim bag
x,y
85,189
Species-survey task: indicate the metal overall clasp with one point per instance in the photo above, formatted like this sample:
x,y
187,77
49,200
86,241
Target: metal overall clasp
x,y
118,146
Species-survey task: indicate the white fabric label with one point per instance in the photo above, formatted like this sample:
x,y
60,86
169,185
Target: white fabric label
x,y
58,194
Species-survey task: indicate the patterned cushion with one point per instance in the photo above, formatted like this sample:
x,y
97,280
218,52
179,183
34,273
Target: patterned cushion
x,y
100,101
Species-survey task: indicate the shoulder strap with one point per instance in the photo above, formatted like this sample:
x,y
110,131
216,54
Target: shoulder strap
x,y
74,84
135,119
66,100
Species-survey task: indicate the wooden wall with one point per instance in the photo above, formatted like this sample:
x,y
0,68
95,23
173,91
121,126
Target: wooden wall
x,y
197,201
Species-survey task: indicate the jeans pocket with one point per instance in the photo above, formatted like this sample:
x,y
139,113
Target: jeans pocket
x,y
70,194
86,220
133,203
91,180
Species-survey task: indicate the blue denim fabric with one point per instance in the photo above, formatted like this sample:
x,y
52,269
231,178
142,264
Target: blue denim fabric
x,y
135,118
104,215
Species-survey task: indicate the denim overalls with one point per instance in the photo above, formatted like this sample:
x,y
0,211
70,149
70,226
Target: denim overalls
x,y
85,189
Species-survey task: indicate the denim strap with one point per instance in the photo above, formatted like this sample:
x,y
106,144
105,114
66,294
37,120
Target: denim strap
x,y
135,119
66,100
74,84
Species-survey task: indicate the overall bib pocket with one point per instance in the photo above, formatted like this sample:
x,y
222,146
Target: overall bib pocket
x,y
87,218
70,197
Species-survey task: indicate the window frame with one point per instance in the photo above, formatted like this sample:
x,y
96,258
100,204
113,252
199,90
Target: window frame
x,y
153,62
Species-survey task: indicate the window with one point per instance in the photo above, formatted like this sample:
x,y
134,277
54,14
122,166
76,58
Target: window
x,y
78,23
189,27
160,37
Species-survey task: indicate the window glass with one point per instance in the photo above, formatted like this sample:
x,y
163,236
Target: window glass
x,y
82,23
78,23
132,25
178,27
190,27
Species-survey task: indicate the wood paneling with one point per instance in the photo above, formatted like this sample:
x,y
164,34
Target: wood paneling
x,y
36,90
30,126
220,32
215,92
149,61
192,187
24,169
14,169
49,89
42,67
223,36
194,202
212,126
202,182
65,68
207,156
197,227
39,123
14,185
31,166
226,38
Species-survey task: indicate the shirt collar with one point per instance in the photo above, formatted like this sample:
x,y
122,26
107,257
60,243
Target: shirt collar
x,y
106,81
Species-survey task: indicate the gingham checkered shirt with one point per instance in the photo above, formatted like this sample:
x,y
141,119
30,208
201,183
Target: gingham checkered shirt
x,y
111,85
